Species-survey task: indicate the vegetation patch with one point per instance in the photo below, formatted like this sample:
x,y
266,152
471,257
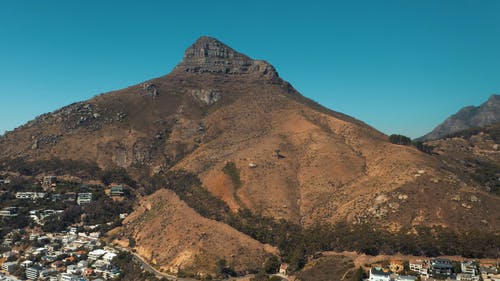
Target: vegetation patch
x,y
332,268
232,171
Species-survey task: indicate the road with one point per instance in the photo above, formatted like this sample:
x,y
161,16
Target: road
x,y
147,267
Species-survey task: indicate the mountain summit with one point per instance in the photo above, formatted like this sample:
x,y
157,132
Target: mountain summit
x,y
210,55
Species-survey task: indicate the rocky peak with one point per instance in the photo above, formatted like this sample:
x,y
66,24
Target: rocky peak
x,y
210,55
493,100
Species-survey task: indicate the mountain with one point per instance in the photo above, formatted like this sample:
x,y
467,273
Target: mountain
x,y
255,144
468,117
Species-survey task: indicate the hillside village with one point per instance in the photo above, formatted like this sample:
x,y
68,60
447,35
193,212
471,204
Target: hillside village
x,y
433,269
49,231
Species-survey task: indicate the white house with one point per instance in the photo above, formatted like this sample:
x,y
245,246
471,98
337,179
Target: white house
x,y
379,275
96,254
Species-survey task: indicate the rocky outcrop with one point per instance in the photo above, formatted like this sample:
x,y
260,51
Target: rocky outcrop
x,y
206,96
468,117
208,54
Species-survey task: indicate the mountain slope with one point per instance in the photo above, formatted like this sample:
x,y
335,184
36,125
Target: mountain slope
x,y
468,117
192,245
257,144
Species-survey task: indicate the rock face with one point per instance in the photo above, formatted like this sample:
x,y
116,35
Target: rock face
x,y
468,117
208,54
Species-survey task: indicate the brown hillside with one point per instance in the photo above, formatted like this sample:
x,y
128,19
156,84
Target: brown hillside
x,y
309,164
188,241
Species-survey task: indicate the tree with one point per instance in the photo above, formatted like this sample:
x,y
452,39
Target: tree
x,y
271,265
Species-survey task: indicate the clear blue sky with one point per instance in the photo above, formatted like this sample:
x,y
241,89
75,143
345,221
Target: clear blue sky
x,y
400,66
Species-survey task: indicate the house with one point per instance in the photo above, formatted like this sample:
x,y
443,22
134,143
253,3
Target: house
x,y
9,266
82,264
467,277
419,266
396,266
108,257
73,269
470,267
440,268
8,212
26,264
84,198
68,277
379,275
49,182
33,272
284,269
96,254
117,191
30,195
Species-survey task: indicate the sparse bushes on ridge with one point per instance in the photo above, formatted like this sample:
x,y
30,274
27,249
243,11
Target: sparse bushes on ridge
x,y
399,139
55,166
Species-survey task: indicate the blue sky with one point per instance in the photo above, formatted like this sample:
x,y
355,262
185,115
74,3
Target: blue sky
x,y
400,66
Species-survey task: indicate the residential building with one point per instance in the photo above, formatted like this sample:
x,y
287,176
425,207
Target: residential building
x,y
117,191
30,195
379,275
49,182
467,277
68,277
419,266
8,212
73,269
33,272
9,266
84,198
440,268
96,254
108,257
26,264
470,267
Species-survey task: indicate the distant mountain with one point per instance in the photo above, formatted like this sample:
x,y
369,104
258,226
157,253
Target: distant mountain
x,y
468,117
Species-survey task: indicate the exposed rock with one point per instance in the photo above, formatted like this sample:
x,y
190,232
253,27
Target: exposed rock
x,y
474,198
206,96
467,206
210,55
456,198
35,145
150,90
402,197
